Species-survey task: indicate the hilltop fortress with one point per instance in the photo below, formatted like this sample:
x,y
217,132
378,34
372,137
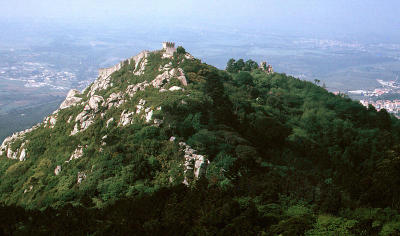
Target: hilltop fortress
x,y
264,66
168,50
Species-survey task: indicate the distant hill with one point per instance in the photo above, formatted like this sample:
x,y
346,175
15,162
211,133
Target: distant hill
x,y
164,144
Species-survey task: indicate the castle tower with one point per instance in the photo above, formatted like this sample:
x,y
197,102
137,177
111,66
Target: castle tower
x,y
263,65
169,48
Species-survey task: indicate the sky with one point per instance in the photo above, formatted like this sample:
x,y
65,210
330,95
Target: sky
x,y
358,18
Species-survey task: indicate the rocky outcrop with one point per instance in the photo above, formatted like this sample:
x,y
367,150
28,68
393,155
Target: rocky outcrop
x,y
50,121
86,117
71,99
20,152
175,88
114,100
142,66
57,170
78,153
27,190
194,163
22,155
132,89
102,83
167,75
95,102
126,118
81,176
109,121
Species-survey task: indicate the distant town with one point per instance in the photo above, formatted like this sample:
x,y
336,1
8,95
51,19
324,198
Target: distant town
x,y
386,97
35,75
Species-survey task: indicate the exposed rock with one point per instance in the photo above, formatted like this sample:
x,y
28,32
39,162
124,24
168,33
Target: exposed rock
x,y
19,152
158,122
11,154
132,89
22,155
115,99
69,119
103,143
78,153
71,99
175,88
9,140
140,106
75,130
57,170
160,80
142,66
85,119
29,189
126,118
172,139
142,59
109,121
193,161
94,102
182,77
189,56
81,177
103,82
149,114
50,121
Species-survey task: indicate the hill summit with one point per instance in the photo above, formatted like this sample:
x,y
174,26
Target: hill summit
x,y
191,149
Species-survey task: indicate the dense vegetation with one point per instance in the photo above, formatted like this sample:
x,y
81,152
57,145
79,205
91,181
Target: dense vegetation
x,y
286,157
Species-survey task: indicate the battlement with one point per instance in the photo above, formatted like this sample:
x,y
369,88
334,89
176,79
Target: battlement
x,y
169,48
167,45
265,67
105,72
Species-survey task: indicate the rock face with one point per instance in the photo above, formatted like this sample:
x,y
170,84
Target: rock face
x,y
22,155
71,99
5,147
78,153
193,162
114,100
175,88
50,121
126,118
132,89
94,103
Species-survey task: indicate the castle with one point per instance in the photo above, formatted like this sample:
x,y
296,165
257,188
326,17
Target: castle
x,y
169,48
265,67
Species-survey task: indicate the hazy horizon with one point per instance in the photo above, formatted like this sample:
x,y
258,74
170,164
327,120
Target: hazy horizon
x,y
355,20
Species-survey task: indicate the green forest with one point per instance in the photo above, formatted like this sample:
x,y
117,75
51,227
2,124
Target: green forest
x,y
287,157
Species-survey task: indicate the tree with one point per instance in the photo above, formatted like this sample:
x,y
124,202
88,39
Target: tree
x,y
244,78
250,65
231,66
240,64
180,50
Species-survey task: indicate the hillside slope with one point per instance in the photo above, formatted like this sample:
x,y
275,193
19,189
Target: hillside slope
x,y
177,140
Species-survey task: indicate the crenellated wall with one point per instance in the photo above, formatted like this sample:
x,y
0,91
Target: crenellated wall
x,y
105,72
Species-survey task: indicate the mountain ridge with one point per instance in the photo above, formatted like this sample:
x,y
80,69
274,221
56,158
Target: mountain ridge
x,y
197,150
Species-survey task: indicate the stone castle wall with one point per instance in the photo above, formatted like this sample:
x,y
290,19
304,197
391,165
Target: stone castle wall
x,y
169,48
105,72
